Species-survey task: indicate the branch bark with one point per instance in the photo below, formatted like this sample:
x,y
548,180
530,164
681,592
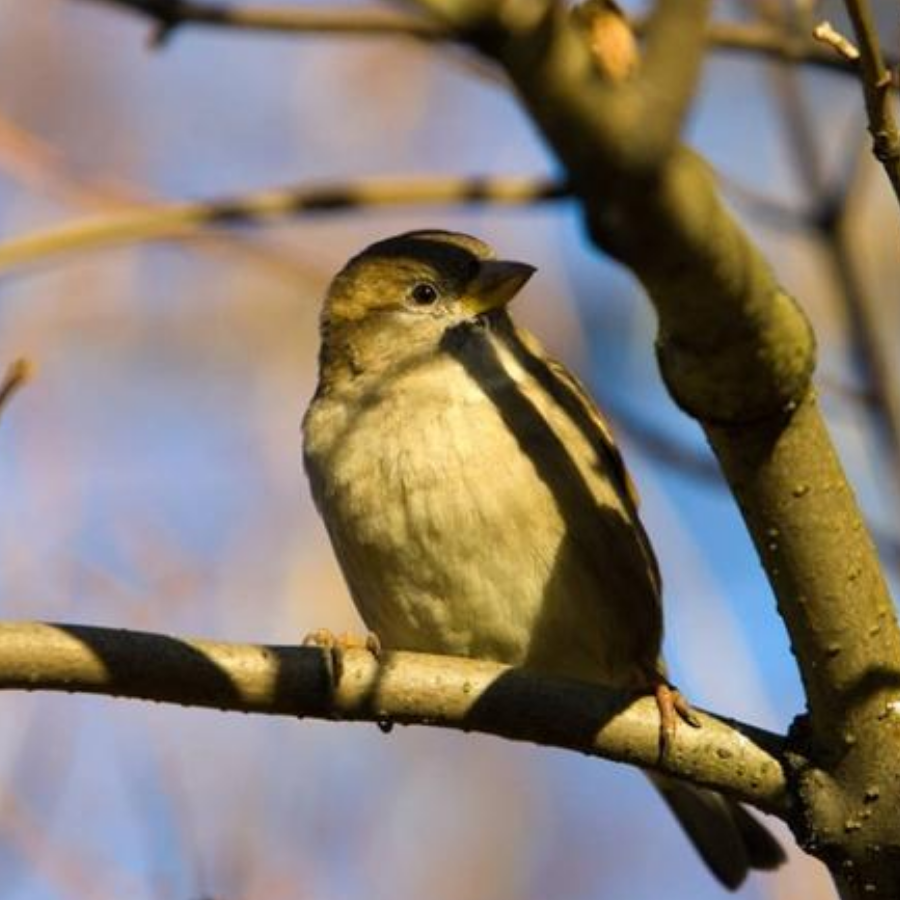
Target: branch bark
x,y
737,353
753,38
180,220
876,84
17,374
401,688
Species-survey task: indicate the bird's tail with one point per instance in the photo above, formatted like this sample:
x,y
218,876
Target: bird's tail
x,y
728,838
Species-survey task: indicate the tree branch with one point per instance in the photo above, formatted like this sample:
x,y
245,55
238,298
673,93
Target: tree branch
x,y
171,14
184,219
831,216
668,80
741,37
401,688
876,84
737,353
17,374
37,164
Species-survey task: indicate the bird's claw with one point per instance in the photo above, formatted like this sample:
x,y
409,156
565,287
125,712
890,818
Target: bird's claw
x,y
672,706
336,645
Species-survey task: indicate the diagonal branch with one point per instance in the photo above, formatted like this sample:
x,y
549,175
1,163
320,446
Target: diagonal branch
x,y
36,164
401,688
876,84
184,219
17,374
832,218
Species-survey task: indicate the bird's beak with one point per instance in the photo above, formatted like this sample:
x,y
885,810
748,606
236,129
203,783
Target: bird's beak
x,y
496,283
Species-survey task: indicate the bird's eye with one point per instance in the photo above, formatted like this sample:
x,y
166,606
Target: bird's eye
x,y
424,294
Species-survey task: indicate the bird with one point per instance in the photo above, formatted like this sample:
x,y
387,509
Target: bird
x,y
476,500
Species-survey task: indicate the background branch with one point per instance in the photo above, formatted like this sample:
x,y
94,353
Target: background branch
x,y
184,219
402,688
833,209
754,38
171,14
36,165
17,374
876,83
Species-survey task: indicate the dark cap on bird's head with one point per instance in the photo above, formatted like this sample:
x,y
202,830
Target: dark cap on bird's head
x,y
443,274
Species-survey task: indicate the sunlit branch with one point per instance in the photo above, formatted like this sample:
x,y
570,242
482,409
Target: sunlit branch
x,y
741,37
178,220
398,688
832,218
876,84
36,164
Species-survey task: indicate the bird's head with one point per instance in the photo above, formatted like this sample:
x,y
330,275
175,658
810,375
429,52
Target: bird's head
x,y
402,294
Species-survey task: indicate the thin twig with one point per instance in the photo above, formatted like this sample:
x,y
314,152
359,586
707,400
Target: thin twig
x,y
762,39
401,688
827,34
185,219
17,373
876,84
39,166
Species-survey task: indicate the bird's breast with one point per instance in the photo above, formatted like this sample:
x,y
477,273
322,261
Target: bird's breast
x,y
463,508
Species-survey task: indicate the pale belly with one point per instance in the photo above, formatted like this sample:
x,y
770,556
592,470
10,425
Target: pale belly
x,y
460,535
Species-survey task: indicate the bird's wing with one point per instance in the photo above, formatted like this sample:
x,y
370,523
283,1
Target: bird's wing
x,y
601,434
572,396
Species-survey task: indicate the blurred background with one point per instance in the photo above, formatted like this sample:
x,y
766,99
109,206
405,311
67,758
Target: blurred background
x,y
151,478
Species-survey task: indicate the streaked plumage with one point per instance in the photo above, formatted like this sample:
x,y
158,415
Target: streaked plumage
x,y
474,496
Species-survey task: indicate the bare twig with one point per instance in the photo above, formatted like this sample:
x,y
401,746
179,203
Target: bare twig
x,y
185,219
170,14
38,165
876,83
17,373
761,39
827,34
402,688
832,220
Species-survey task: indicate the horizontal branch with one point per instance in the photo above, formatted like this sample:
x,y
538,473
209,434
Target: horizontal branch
x,y
149,223
742,37
763,39
402,688
170,14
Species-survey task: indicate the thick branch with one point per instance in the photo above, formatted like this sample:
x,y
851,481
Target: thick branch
x,y
734,348
151,223
737,353
669,79
402,688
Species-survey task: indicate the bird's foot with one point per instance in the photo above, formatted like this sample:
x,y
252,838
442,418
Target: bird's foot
x,y
672,707
337,644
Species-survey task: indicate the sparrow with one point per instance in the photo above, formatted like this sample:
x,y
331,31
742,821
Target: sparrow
x,y
475,498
